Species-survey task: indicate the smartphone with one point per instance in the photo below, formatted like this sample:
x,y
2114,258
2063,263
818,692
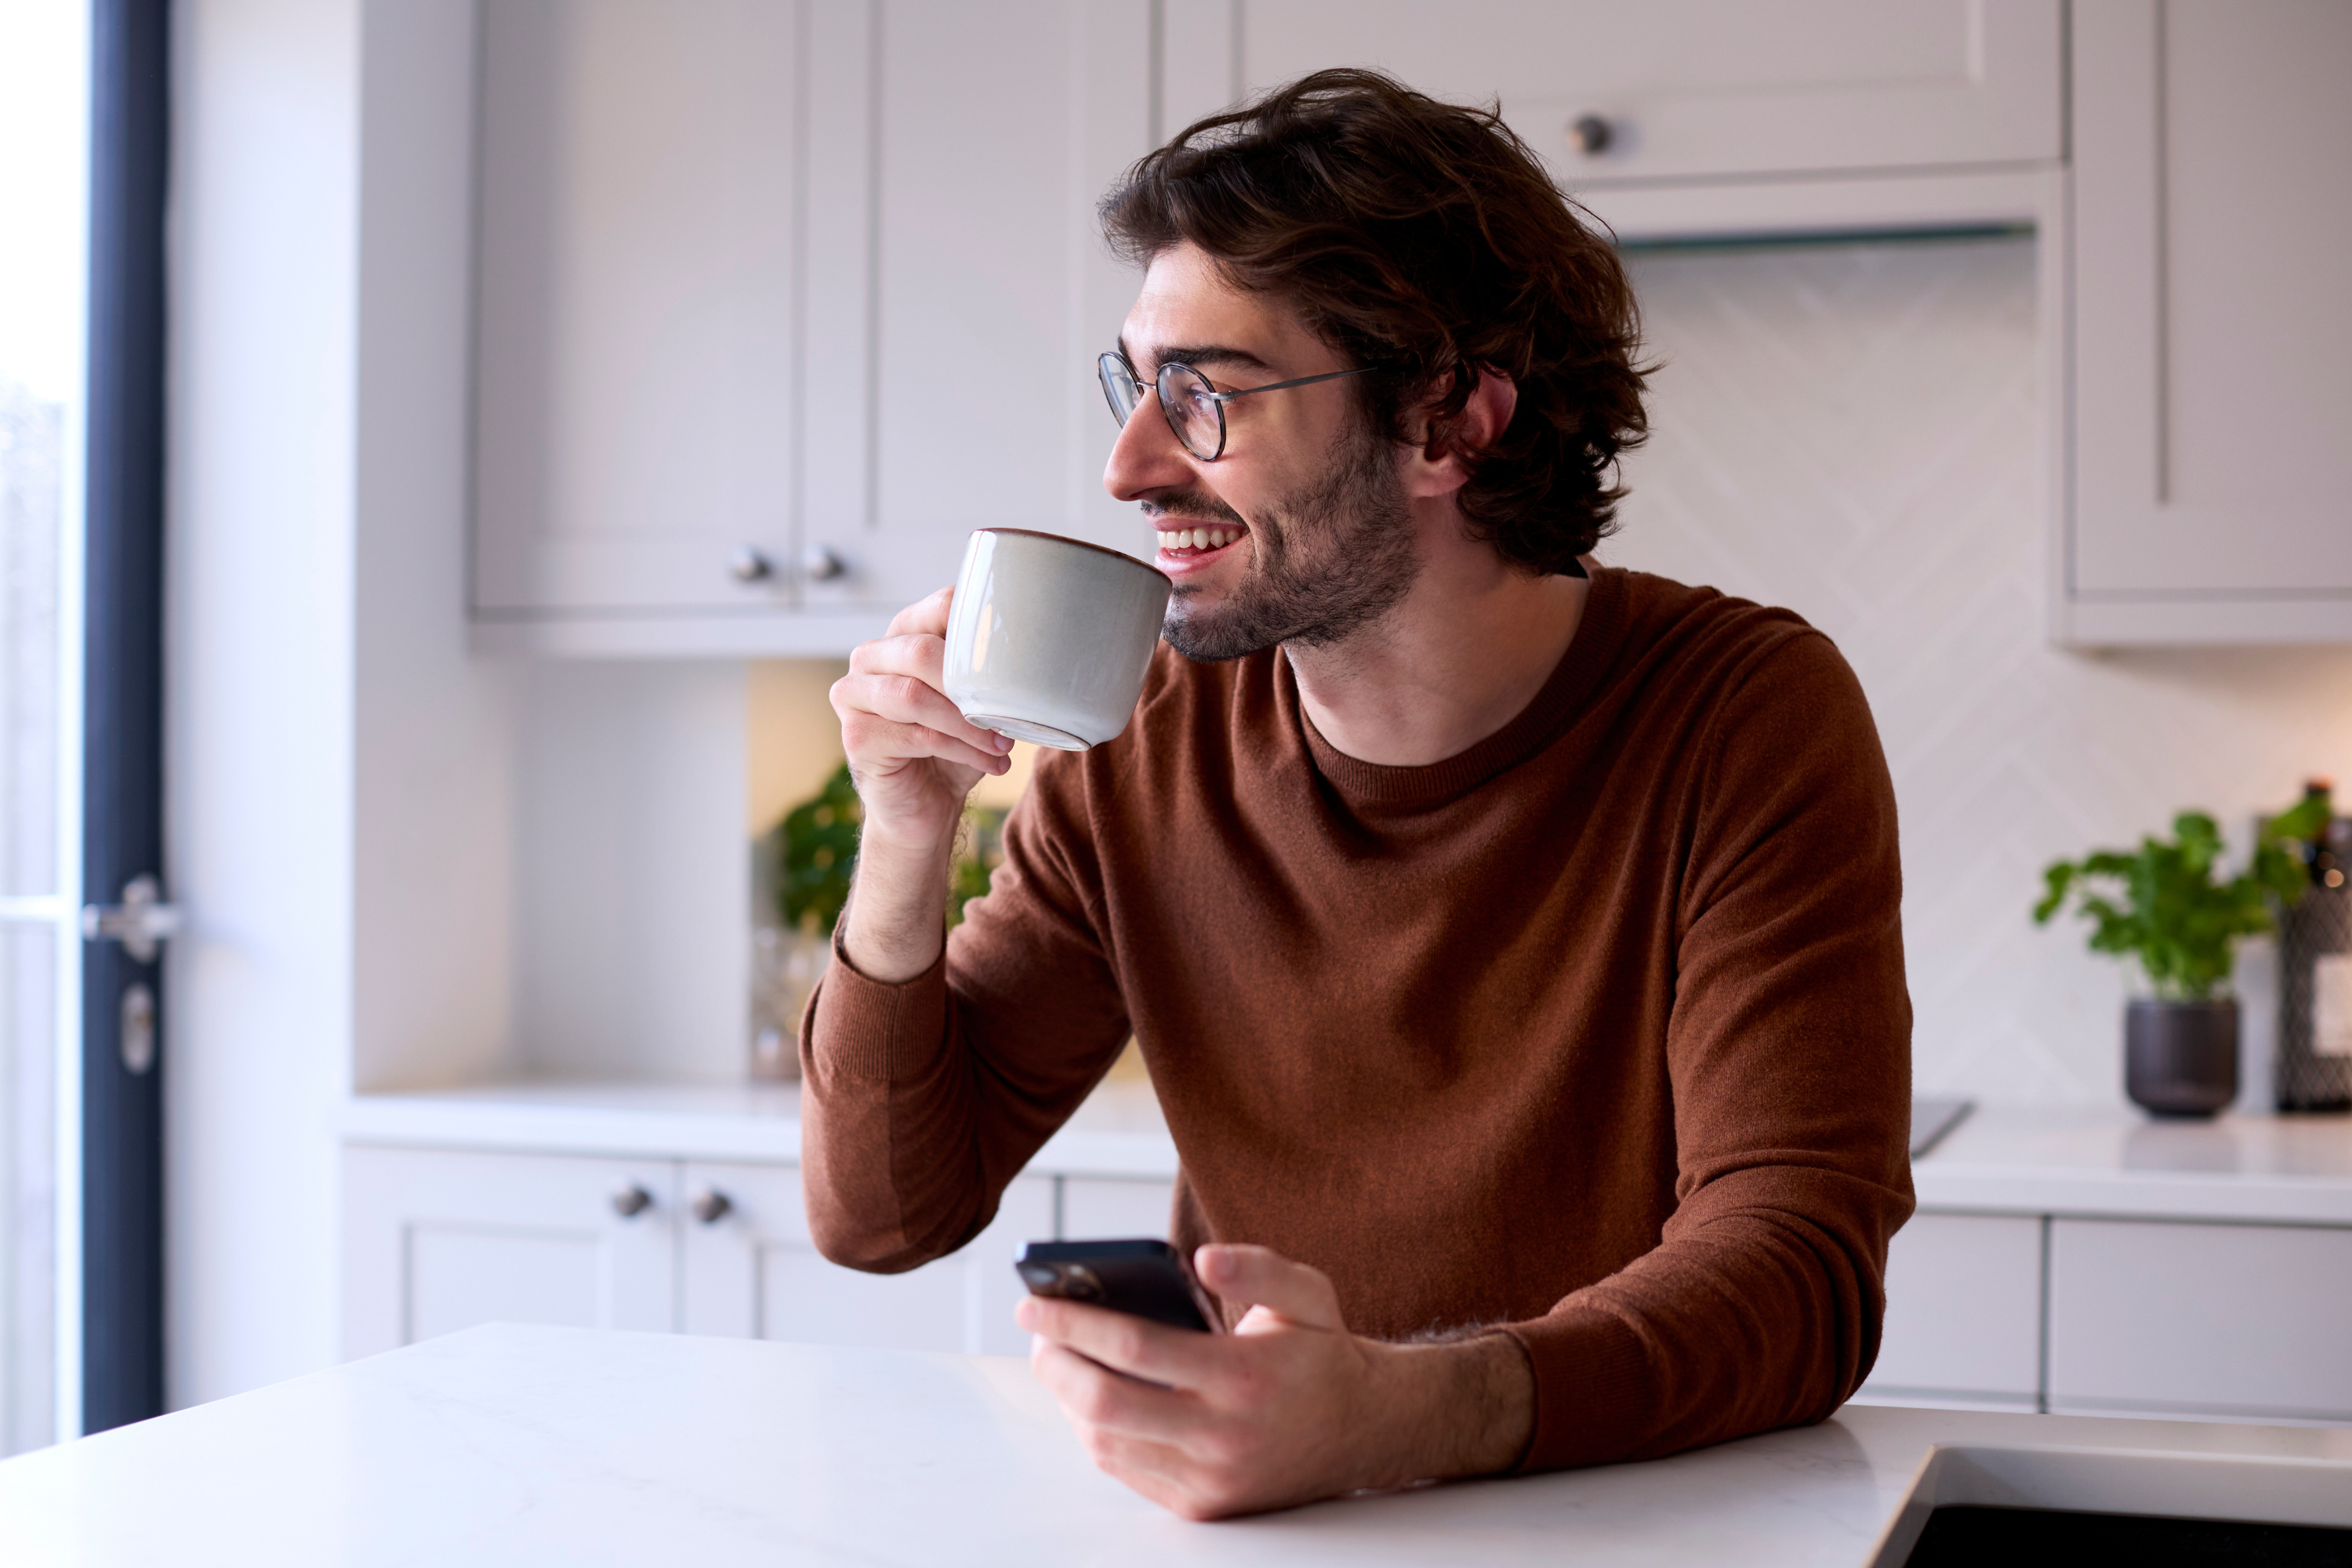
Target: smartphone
x,y
1147,1278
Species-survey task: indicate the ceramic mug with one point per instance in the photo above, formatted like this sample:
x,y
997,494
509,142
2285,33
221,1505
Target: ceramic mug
x,y
1049,638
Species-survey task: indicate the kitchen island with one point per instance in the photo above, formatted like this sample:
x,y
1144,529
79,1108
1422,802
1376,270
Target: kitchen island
x,y
509,1445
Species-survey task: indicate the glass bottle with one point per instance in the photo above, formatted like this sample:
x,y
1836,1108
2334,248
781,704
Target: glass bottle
x,y
2314,1070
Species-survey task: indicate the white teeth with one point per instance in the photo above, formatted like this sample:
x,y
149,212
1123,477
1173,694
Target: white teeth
x,y
1197,538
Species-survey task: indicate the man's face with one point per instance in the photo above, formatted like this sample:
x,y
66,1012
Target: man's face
x,y
1299,531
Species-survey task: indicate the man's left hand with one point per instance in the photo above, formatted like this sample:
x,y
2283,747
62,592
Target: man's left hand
x,y
1287,1408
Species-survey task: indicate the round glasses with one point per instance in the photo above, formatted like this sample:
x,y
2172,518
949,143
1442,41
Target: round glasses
x,y
1195,410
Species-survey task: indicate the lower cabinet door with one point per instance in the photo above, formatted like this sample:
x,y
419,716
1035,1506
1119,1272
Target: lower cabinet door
x,y
1106,1209
752,1271
2249,1320
1963,1312
438,1240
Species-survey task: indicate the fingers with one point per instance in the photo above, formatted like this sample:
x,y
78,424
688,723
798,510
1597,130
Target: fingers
x,y
1261,1277
1178,1358
926,616
892,720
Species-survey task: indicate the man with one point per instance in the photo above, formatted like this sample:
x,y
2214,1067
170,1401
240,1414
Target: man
x,y
1513,941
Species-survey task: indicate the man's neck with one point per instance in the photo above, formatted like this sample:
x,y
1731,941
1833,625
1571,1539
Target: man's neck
x,y
1460,655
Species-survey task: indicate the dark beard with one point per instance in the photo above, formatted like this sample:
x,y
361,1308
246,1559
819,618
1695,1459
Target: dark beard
x,y
1325,563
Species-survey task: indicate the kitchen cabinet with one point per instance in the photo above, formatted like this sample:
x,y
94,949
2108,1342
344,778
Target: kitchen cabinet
x,y
778,301
1680,90
439,1239
1963,1312
2249,1320
2213,215
435,1241
749,1270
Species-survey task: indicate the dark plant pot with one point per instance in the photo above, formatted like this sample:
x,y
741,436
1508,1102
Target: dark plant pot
x,y
2180,1058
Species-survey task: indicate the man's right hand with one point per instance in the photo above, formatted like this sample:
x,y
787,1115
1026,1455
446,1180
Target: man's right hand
x,y
913,759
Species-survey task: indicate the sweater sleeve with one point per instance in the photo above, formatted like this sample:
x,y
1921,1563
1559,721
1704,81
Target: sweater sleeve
x,y
1788,1054
920,1101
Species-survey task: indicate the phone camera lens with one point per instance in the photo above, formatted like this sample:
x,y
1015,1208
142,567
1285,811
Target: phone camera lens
x,y
1078,1283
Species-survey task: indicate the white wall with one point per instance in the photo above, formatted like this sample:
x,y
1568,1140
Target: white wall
x,y
260,669
433,960
1855,432
633,891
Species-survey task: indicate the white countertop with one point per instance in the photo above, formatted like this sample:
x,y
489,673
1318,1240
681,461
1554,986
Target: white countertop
x,y
1999,1160
534,1446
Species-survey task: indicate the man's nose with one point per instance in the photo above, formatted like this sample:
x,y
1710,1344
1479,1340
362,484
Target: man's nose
x,y
1147,456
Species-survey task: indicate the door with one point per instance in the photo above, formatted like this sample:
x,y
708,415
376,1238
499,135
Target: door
x,y
639,257
778,302
1684,89
45,107
2213,215
1963,1313
2244,1320
438,1240
751,1270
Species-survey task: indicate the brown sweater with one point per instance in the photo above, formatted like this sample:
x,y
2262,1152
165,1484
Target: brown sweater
x,y
1597,1030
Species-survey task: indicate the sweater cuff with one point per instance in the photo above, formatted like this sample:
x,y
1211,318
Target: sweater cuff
x,y
868,1031
1595,1399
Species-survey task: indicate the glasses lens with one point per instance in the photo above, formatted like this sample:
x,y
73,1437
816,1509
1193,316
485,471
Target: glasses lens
x,y
1192,410
1120,389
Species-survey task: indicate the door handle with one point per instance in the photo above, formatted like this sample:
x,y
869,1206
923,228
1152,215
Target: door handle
x,y
139,922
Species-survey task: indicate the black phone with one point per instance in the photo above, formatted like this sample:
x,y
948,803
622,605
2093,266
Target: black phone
x,y
1147,1278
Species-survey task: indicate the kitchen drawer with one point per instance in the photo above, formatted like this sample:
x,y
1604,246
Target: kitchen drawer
x,y
2242,1319
1963,1311
752,1271
436,1241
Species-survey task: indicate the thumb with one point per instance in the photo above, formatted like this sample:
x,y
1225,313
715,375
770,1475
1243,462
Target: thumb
x,y
1261,1278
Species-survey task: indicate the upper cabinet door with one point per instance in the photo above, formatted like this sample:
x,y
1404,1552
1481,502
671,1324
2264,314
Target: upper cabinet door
x,y
2211,398
1687,89
998,126
641,180
781,299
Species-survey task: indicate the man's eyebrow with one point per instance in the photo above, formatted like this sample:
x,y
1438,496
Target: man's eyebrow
x,y
1199,354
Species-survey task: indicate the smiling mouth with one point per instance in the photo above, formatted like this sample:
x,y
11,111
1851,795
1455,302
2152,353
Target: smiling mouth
x,y
1188,544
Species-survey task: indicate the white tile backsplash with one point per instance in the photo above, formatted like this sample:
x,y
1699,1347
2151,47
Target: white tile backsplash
x,y
1855,431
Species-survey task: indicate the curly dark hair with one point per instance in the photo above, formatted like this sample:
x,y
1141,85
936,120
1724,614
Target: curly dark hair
x,y
1425,239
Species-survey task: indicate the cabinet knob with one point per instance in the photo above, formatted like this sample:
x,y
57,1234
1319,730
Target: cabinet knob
x,y
1590,134
749,566
632,1201
711,1205
820,564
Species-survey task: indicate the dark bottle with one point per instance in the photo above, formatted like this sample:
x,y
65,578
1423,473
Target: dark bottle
x,y
2314,1071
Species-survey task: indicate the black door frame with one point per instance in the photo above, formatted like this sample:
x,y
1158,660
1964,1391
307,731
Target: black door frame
x,y
122,709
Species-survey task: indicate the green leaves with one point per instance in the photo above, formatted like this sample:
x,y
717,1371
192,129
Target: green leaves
x,y
817,850
820,849
2163,905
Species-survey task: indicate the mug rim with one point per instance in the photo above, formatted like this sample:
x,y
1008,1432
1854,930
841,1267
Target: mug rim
x,y
1084,544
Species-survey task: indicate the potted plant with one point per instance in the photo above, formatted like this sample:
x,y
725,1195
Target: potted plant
x,y
800,876
2164,907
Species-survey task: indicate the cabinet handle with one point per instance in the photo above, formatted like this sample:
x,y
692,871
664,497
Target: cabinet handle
x,y
748,565
1590,135
711,1205
820,564
632,1201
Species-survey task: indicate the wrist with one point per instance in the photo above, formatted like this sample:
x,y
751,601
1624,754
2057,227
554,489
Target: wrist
x,y
896,921
1462,1408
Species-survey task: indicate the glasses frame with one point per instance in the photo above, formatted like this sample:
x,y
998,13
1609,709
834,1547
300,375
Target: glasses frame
x,y
1113,360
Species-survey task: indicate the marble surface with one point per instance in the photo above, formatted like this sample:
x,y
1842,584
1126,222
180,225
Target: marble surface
x,y
1999,1160
532,1445
2278,1168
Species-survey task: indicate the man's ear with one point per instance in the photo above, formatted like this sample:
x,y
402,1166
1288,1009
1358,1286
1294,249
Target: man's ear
x,y
1435,467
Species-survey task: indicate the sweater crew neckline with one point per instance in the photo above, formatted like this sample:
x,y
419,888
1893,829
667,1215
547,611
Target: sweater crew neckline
x,y
1536,726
